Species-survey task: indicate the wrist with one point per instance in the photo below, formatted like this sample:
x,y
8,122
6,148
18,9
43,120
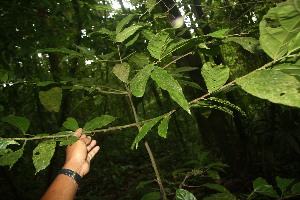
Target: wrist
x,y
74,167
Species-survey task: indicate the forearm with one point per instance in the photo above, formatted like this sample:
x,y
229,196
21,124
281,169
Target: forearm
x,y
62,188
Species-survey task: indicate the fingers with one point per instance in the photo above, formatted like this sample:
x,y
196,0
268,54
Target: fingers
x,y
92,153
91,145
86,140
78,132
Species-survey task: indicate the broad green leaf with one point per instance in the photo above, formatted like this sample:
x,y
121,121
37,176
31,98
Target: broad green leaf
x,y
272,85
217,187
167,82
4,151
214,76
218,34
213,174
182,194
98,122
294,44
122,71
221,196
5,142
126,33
21,123
288,68
283,183
261,186
139,60
151,196
249,43
163,127
123,22
178,44
42,154
158,44
139,82
144,130
279,28
133,40
51,99
71,124
148,34
296,189
11,158
68,141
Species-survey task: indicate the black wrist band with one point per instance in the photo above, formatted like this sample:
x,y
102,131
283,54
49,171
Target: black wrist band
x,y
72,174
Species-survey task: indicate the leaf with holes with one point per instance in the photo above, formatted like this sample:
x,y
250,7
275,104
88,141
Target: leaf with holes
x,y
158,44
214,76
182,194
279,28
42,154
11,158
144,130
21,123
122,71
163,127
71,124
272,85
98,122
139,82
51,99
167,82
126,33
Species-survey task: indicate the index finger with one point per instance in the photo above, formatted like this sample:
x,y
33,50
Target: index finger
x,y
78,132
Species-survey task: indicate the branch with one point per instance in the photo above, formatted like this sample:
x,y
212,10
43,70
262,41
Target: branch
x,y
174,61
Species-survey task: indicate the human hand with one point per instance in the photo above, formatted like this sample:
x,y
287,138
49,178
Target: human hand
x,y
80,154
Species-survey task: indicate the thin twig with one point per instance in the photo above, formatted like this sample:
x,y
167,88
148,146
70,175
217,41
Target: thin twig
x,y
174,61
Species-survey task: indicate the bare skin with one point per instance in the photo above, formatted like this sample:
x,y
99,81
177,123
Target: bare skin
x,y
78,158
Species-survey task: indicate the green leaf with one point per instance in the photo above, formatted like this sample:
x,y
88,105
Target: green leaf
x,y
272,85
279,28
294,44
3,75
261,186
183,69
213,174
144,130
126,33
148,34
123,22
133,40
5,142
101,31
151,196
139,82
167,82
158,44
182,194
214,76
122,71
21,123
139,60
218,34
71,124
11,158
296,189
283,183
217,187
98,122
163,127
42,154
288,68
219,196
249,43
68,141
45,83
51,99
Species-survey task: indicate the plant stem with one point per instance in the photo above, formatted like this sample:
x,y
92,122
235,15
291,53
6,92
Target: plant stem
x,y
162,191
